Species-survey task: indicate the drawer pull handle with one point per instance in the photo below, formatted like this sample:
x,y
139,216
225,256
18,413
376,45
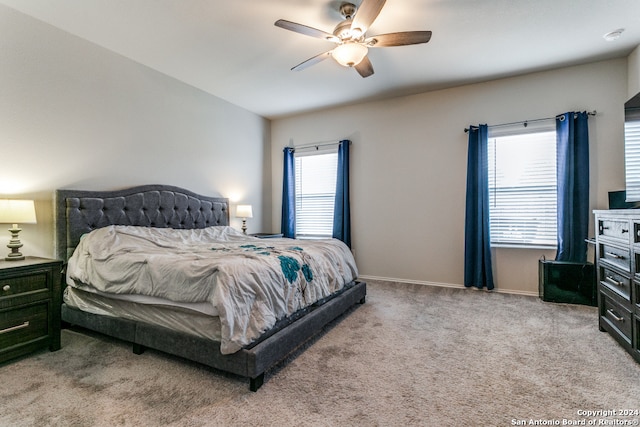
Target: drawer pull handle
x,y
615,316
613,281
624,231
616,256
15,328
6,288
605,228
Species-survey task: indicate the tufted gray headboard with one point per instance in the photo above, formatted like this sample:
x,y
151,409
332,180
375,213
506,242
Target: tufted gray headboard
x,y
78,212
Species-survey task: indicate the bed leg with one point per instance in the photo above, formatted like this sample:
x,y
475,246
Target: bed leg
x,y
138,348
362,301
256,383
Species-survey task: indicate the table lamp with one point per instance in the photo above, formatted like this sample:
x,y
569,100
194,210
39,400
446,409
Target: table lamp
x,y
244,212
16,212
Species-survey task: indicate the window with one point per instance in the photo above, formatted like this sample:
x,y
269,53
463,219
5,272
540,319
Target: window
x,y
523,187
316,173
632,153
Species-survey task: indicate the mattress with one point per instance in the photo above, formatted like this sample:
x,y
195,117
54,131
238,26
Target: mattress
x,y
175,317
201,307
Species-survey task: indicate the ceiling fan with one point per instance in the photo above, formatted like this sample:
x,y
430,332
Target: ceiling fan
x,y
349,35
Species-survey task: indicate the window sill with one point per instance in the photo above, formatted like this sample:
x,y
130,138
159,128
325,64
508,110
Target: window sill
x,y
514,246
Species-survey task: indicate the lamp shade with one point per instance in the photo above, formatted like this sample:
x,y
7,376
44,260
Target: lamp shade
x,y
244,211
17,211
349,54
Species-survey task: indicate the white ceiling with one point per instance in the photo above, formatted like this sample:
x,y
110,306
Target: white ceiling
x,y
232,50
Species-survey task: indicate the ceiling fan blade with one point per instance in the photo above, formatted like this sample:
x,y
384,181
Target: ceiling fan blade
x,y
364,68
366,14
307,31
398,39
312,61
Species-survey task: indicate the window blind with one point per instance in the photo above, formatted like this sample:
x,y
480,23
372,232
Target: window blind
x,y
632,154
523,189
315,193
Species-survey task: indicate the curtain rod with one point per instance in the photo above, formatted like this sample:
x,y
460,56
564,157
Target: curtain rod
x,y
525,122
315,145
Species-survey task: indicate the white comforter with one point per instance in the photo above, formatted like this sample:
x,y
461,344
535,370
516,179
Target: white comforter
x,y
251,282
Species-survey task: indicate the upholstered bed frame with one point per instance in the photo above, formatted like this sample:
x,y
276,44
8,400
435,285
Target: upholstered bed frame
x,y
78,212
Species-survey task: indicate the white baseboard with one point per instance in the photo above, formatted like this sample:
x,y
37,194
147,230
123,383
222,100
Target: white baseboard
x,y
446,285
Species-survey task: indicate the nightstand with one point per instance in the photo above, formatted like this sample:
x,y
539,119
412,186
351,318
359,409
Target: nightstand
x,y
267,235
30,298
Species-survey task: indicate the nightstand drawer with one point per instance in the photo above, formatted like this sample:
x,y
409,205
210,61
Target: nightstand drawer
x,y
20,284
23,325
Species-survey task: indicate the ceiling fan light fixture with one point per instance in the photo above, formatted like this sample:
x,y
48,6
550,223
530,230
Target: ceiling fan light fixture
x,y
352,44
349,54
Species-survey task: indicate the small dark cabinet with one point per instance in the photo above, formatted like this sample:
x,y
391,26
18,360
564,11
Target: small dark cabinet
x,y
567,282
29,306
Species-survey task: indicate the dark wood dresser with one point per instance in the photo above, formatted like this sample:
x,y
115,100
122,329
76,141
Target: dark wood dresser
x,y
618,272
30,298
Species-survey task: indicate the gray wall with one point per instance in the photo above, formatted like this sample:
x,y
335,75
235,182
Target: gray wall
x,y
409,166
75,115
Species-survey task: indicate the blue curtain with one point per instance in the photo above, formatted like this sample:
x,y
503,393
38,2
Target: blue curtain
x,y
477,244
342,209
288,226
572,132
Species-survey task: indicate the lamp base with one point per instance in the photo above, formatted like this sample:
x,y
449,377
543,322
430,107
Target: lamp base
x,y
14,245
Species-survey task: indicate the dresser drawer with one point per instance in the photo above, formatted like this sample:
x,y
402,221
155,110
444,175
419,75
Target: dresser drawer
x,y
614,255
618,283
616,316
20,284
636,232
23,324
614,229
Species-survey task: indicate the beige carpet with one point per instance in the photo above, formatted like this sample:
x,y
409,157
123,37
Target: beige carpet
x,y
411,356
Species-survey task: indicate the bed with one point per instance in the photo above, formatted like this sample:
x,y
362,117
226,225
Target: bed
x,y
188,329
